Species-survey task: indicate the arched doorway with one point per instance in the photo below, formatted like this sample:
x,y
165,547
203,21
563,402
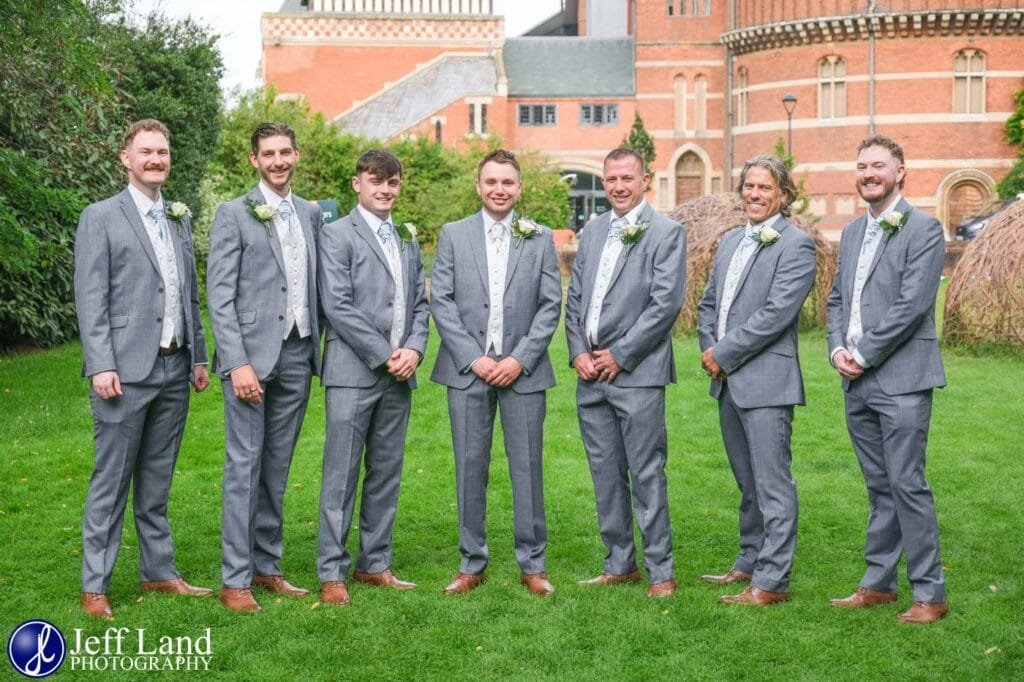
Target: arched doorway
x,y
689,177
965,200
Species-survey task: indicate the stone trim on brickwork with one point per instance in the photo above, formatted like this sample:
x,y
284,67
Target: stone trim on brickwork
x,y
860,26
380,29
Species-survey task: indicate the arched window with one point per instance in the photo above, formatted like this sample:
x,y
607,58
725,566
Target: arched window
x,y
700,104
679,98
740,87
832,87
969,82
689,177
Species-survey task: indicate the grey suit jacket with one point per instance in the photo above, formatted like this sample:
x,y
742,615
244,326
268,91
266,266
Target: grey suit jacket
x,y
246,285
459,300
759,350
357,294
642,303
119,293
897,302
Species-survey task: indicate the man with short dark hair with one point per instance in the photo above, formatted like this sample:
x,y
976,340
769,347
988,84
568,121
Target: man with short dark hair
x,y
883,343
625,293
261,291
747,327
137,301
373,295
496,296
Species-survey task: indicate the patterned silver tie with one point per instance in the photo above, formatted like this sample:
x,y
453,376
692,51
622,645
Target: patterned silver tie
x,y
616,230
156,212
284,209
385,232
496,232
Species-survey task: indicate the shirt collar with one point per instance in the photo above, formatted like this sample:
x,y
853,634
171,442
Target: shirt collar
x,y
142,202
490,220
891,207
275,199
768,222
633,215
372,220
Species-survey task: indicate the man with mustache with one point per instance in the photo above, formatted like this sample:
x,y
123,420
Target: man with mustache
x,y
747,326
625,293
261,291
883,341
373,294
137,301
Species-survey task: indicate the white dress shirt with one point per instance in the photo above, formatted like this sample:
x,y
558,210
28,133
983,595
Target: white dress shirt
x,y
741,256
389,244
172,328
609,257
296,263
497,235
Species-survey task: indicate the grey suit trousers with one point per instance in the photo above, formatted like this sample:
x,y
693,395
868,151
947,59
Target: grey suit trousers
x,y
260,442
890,436
757,441
137,436
624,435
377,416
471,411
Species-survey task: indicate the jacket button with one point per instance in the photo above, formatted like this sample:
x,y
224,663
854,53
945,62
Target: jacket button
x,y
159,319
284,288
487,305
280,317
161,290
481,332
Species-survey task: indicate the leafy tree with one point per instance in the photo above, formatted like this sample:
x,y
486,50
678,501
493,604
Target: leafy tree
x,y
801,206
640,141
1013,183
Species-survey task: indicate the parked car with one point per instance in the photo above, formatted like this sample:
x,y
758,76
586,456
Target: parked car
x,y
969,228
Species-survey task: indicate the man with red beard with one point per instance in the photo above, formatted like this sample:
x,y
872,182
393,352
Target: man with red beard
x,y
261,291
882,341
137,300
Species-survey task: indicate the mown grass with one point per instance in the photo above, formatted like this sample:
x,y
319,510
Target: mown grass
x,y
500,631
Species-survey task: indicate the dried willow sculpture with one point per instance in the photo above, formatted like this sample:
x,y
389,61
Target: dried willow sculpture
x,y
707,219
985,299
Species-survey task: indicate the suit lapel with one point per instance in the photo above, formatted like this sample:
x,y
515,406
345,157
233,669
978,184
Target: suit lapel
x,y
513,254
275,243
902,207
646,216
478,246
780,226
131,214
367,235
601,229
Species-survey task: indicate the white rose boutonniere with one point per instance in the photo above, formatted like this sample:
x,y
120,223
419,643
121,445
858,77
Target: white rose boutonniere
x,y
262,212
406,232
523,228
892,221
178,211
766,235
630,235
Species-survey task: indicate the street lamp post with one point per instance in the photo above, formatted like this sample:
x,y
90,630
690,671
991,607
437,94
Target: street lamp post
x,y
789,104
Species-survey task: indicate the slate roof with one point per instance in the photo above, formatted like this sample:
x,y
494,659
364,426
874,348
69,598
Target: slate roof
x,y
569,67
422,94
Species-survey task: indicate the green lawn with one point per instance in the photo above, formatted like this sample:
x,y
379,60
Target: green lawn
x,y
500,631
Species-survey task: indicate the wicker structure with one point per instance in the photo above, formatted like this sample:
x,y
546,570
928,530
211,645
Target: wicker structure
x,y
985,299
707,219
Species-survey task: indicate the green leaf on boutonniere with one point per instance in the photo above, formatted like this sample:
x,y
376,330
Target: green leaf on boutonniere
x,y
892,221
406,232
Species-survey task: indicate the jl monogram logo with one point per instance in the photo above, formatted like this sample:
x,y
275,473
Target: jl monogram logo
x,y
36,648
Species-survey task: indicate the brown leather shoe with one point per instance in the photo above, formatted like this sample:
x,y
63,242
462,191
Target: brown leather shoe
x,y
335,592
383,579
665,588
176,586
96,604
863,598
278,585
614,579
924,612
731,576
755,596
464,583
238,599
537,583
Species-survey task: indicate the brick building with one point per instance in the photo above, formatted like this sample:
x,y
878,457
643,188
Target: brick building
x,y
707,76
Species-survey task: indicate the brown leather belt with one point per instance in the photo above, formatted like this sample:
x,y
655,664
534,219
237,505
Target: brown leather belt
x,y
170,350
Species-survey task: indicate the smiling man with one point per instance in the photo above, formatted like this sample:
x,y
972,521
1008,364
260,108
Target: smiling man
x,y
883,341
625,293
373,296
261,290
137,301
495,297
747,327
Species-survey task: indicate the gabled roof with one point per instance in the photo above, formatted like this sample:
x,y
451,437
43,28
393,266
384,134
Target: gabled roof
x,y
570,67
